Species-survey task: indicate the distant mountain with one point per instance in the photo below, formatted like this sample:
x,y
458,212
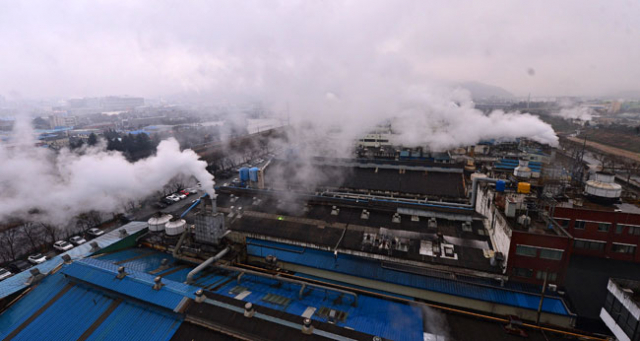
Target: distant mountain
x,y
628,95
481,91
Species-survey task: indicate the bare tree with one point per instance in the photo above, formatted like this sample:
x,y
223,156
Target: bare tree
x,y
52,231
8,238
30,230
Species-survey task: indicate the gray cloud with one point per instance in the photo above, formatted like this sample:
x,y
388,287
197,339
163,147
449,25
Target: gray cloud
x,y
245,49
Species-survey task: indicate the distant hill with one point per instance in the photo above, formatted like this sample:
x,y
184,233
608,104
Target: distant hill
x,y
481,91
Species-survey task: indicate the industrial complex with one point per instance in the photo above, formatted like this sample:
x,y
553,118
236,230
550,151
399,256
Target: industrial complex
x,y
394,246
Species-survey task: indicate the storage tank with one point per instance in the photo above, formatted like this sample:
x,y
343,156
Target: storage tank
x,y
500,186
253,174
602,187
244,174
175,227
524,187
522,171
158,221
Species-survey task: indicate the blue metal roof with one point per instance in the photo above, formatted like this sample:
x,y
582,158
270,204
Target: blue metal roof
x,y
136,284
68,317
77,309
18,281
29,304
366,268
388,319
133,322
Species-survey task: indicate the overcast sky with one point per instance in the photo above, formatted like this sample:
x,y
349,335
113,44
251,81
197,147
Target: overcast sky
x,y
248,48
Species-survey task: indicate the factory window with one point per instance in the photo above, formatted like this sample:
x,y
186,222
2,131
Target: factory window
x,y
522,272
384,141
369,140
634,230
551,277
563,222
589,244
619,229
603,227
551,254
580,224
623,248
528,251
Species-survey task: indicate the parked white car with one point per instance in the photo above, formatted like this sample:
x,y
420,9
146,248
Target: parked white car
x,y
37,258
62,245
173,197
77,240
95,232
181,196
4,273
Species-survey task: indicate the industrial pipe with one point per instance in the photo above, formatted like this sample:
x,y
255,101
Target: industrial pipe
x,y
205,264
176,249
288,280
474,188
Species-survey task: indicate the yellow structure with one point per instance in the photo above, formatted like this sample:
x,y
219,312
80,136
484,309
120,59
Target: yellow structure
x,y
524,187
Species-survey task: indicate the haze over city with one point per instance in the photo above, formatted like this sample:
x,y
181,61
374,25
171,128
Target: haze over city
x,y
320,170
227,48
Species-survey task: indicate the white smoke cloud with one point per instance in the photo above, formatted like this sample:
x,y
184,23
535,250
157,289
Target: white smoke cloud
x,y
62,185
575,113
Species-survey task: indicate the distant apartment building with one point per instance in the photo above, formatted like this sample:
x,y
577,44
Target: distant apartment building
x,y
62,121
113,103
100,104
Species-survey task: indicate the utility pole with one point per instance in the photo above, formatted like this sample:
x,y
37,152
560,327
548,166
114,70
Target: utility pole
x,y
544,287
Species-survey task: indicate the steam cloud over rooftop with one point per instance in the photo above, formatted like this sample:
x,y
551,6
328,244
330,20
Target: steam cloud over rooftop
x,y
63,185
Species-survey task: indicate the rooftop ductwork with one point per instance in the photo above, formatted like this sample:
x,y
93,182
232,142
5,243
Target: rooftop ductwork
x,y
364,215
335,210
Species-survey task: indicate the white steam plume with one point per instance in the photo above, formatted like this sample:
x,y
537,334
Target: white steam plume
x,y
575,113
62,185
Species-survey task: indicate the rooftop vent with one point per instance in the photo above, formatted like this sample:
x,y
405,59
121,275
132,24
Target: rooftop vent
x,y
123,233
364,215
433,223
121,273
307,328
200,296
233,198
256,201
466,227
157,283
396,218
415,218
335,210
249,311
94,247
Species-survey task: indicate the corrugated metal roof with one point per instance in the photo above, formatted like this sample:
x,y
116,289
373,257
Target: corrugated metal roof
x,y
68,317
370,269
78,310
18,282
133,322
30,303
135,284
